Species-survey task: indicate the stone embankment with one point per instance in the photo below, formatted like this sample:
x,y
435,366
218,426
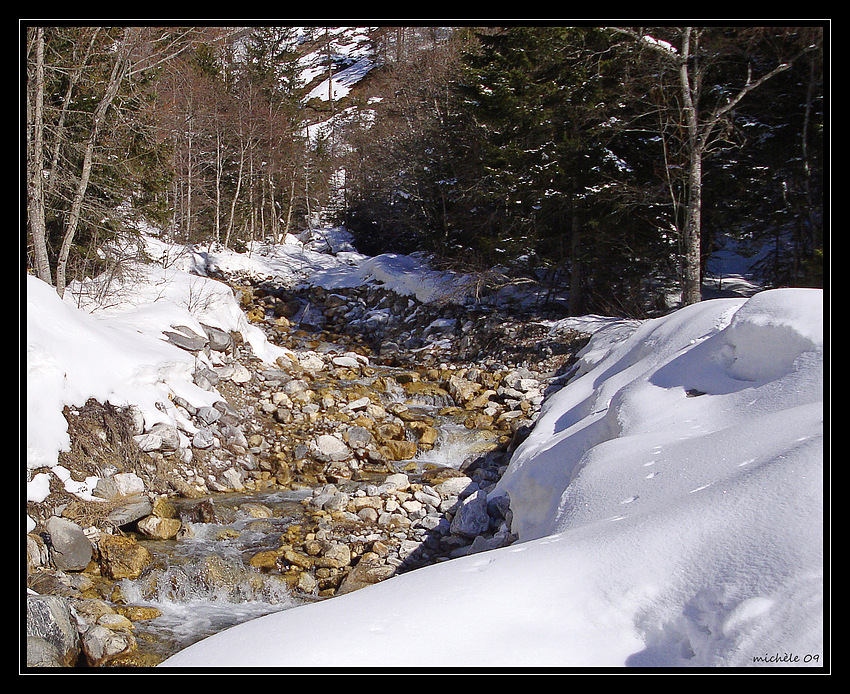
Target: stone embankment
x,y
374,384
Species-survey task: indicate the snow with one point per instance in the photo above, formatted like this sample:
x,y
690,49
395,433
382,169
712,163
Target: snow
x,y
115,351
668,502
340,84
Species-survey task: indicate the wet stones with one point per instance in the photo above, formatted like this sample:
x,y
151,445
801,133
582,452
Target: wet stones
x,y
122,557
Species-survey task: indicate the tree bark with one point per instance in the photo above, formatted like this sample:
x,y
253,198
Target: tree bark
x,y
35,157
576,296
690,85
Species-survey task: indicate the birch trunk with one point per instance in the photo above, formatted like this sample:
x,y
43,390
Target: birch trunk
x,y
35,145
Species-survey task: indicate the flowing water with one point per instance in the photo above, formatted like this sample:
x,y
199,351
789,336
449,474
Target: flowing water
x,y
202,583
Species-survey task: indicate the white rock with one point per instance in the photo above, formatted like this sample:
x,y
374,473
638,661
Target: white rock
x,y
148,442
128,483
455,486
346,362
330,448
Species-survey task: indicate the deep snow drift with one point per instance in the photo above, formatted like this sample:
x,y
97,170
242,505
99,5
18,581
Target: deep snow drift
x,y
669,502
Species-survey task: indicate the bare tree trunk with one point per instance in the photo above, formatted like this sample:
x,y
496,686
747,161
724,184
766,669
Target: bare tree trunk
x,y
576,296
35,143
66,104
190,172
692,276
235,197
219,171
289,210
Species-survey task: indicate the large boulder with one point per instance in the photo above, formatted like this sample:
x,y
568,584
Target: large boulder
x,y
122,557
471,518
130,509
51,632
101,644
70,549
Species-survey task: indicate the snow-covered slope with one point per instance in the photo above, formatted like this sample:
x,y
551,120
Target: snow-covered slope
x,y
669,504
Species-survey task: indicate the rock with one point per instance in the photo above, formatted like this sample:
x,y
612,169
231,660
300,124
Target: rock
x,y
168,434
205,379
365,573
338,471
346,362
204,439
158,528
219,340
50,621
53,582
328,448
122,557
395,482
227,409
232,478
128,483
427,496
426,435
394,449
471,518
455,486
359,404
462,390
70,549
148,442
208,415
130,509
38,554
101,644
336,556
256,510
295,386
306,583
41,653
89,611
114,621
191,343
105,488
265,560
358,437
235,373
310,361
138,613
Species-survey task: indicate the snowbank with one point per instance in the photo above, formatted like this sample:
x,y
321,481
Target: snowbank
x,y
115,351
669,504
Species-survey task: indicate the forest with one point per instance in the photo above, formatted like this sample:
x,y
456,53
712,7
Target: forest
x,y
609,161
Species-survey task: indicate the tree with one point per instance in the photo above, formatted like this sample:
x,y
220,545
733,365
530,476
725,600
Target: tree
x,y
705,101
94,74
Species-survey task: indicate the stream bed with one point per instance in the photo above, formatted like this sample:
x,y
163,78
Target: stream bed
x,y
339,466
207,580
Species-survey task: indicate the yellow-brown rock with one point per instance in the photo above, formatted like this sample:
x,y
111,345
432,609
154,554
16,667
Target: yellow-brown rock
x,y
122,557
